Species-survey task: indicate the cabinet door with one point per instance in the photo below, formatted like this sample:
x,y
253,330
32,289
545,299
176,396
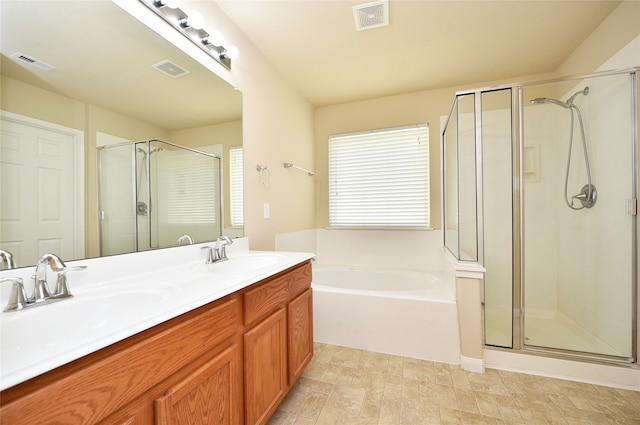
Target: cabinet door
x,y
211,395
265,368
300,334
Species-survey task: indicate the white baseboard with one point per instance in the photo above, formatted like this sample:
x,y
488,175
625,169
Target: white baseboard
x,y
599,374
471,364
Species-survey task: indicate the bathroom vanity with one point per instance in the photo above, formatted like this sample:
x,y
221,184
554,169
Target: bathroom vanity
x,y
231,360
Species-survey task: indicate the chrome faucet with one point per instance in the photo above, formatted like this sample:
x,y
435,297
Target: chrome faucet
x,y
221,244
219,252
18,298
41,288
41,294
186,238
7,262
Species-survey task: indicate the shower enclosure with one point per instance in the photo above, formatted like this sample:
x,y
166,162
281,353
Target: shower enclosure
x,y
155,194
540,186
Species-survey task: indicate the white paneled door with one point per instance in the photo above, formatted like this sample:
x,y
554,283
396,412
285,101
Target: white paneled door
x,y
41,189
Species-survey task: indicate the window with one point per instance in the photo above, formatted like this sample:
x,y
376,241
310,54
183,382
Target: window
x,y
236,186
380,178
191,188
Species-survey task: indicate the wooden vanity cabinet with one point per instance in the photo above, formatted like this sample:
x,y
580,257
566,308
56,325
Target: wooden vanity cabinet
x,y
276,313
300,334
188,370
265,367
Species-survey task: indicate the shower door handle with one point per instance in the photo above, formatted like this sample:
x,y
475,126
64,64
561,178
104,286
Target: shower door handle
x,y
631,206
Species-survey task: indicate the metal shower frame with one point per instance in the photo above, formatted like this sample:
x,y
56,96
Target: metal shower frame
x,y
517,133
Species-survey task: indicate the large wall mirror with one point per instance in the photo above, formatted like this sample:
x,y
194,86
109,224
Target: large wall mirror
x,y
83,77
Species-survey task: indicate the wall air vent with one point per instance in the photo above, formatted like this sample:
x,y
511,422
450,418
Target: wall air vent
x,y
21,57
171,69
371,15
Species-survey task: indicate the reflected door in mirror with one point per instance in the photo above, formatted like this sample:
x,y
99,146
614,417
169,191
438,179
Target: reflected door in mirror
x,y
38,206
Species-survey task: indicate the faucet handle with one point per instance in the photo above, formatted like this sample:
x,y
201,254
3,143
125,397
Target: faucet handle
x,y
210,254
62,284
221,245
18,297
40,287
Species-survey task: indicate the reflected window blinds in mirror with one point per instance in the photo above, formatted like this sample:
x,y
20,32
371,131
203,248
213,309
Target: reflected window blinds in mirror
x,y
191,25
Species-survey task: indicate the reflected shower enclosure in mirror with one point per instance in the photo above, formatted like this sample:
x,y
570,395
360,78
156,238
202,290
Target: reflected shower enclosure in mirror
x,y
154,194
88,69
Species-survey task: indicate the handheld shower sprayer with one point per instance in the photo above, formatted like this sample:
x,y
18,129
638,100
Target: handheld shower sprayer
x,y
588,194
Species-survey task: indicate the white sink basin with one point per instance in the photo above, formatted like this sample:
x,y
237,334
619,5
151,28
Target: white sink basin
x,y
88,310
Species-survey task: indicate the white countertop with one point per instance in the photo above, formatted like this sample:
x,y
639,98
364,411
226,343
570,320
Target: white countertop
x,y
117,297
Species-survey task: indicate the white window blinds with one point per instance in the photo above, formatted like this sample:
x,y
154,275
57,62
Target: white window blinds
x,y
380,178
236,186
192,189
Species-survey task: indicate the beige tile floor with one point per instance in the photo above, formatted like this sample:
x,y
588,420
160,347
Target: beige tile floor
x,y
346,386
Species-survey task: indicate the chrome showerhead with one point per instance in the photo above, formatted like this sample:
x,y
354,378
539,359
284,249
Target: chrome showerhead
x,y
566,104
539,100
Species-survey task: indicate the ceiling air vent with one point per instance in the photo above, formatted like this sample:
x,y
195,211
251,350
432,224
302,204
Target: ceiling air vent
x,y
21,57
169,68
371,15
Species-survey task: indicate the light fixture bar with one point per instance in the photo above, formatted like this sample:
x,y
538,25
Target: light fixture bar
x,y
178,20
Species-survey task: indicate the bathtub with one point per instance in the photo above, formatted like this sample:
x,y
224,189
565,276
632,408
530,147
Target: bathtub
x,y
401,312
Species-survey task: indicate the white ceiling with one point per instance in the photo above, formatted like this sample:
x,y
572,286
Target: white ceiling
x,y
427,45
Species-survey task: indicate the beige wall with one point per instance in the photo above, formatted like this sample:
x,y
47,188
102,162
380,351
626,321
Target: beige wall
x,y
620,27
277,127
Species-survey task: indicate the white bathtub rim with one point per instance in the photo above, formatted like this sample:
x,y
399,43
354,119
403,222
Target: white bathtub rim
x,y
412,273
401,270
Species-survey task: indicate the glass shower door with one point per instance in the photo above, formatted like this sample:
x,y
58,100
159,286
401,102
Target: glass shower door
x,y
497,171
116,200
578,233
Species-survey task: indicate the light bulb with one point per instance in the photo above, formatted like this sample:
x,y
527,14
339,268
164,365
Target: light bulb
x,y
173,4
216,38
195,20
232,52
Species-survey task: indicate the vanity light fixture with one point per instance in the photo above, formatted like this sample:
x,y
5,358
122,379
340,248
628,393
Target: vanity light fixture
x,y
195,20
173,4
191,26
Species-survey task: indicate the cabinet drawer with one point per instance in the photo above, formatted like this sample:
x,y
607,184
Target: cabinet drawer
x,y
274,293
88,390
